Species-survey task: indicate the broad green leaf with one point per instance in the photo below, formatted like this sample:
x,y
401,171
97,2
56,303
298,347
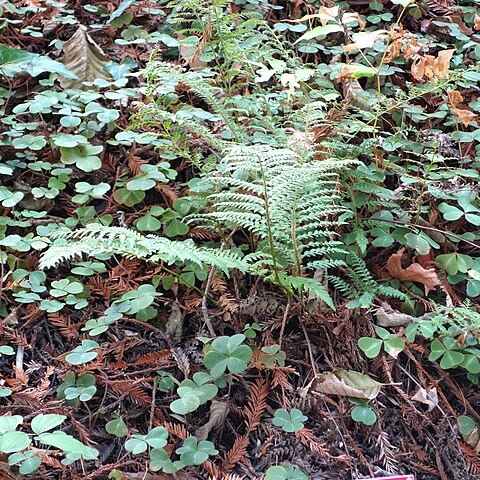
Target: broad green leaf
x,y
42,423
321,32
11,442
68,444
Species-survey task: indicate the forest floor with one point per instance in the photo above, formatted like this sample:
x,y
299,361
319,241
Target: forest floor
x,y
415,429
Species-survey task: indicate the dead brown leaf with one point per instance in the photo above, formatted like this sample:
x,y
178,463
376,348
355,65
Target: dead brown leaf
x,y
428,397
414,273
346,383
218,413
465,116
476,22
428,67
454,97
394,51
442,62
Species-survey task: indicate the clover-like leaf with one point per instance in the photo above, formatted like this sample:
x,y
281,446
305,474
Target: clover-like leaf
x,y
370,346
228,353
157,437
290,421
193,452
136,445
364,414
83,353
160,460
116,427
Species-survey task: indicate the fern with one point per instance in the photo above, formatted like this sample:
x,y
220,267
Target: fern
x,y
288,203
159,73
361,288
97,239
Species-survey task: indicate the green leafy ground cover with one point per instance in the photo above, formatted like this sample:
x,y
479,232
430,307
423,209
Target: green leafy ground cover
x,y
239,239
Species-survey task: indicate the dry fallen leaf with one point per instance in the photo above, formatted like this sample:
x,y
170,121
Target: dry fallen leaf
x,y
476,22
392,319
418,68
428,67
349,17
414,273
218,413
346,383
428,397
84,58
442,62
465,116
174,326
325,14
355,95
364,40
454,97
394,51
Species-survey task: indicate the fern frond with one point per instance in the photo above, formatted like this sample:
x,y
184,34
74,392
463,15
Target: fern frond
x,y
159,73
98,239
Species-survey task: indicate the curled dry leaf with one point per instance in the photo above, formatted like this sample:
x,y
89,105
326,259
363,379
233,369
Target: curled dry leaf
x,y
428,397
346,383
476,22
465,116
428,67
174,325
84,57
392,319
351,17
355,95
218,413
413,273
455,99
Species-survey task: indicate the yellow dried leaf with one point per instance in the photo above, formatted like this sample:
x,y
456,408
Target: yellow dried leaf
x,y
454,97
465,116
442,62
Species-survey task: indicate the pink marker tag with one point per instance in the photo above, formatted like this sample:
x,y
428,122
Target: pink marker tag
x,y
397,477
